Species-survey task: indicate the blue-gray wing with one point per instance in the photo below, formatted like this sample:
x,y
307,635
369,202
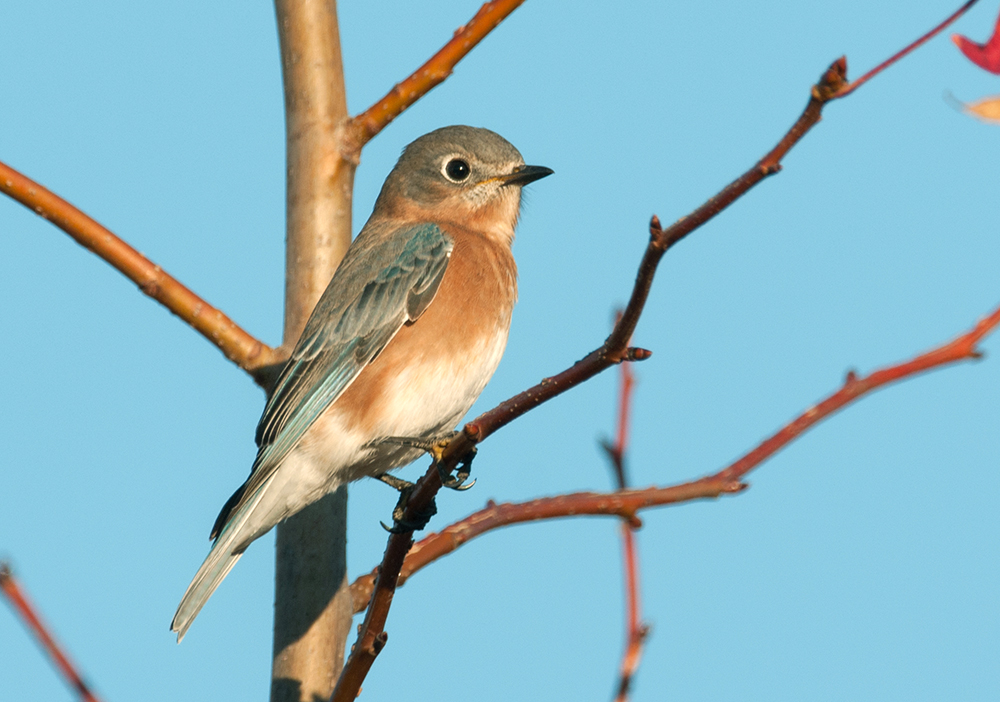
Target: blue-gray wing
x,y
386,280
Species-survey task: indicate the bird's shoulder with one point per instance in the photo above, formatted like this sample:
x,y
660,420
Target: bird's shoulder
x,y
388,277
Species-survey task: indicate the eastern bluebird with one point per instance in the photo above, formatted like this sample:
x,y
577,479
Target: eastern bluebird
x,y
401,343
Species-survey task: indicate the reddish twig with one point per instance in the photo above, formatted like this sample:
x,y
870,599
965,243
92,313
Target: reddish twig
x,y
363,127
616,450
29,615
627,503
238,346
614,350
855,84
636,630
961,348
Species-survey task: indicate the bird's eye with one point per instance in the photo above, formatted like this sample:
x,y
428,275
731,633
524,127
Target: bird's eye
x,y
457,170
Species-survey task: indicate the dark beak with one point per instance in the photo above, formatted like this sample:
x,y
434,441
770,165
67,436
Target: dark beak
x,y
523,175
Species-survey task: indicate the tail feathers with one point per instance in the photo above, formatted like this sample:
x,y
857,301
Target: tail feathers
x,y
212,571
226,550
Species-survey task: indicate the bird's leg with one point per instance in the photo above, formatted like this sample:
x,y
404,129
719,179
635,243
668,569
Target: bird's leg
x,y
435,446
400,525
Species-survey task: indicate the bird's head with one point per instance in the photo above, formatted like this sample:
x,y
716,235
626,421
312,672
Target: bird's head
x,y
460,174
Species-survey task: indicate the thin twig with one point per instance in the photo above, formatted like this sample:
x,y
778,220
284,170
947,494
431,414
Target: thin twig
x,y
363,127
855,84
636,630
616,451
727,481
614,350
29,615
241,348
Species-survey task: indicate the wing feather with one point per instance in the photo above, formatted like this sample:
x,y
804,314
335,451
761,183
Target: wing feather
x,y
386,280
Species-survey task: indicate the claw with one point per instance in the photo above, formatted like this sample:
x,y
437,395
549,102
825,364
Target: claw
x,y
400,525
396,528
463,487
457,481
403,526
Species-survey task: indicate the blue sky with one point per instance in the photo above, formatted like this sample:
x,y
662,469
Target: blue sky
x,y
861,564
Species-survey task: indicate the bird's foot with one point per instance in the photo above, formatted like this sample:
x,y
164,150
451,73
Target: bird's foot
x,y
435,446
399,524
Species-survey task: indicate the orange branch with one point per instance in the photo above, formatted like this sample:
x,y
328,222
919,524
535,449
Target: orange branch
x,y
238,346
363,127
29,615
625,503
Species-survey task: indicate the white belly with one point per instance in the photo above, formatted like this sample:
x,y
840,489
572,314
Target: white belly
x,y
423,401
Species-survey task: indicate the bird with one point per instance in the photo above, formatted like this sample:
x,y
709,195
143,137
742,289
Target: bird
x,y
400,344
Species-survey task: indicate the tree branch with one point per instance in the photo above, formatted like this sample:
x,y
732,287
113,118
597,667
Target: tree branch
x,y
241,348
372,636
626,503
29,615
363,127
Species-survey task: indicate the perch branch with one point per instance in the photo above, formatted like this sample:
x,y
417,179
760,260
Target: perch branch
x,y
29,615
372,636
241,348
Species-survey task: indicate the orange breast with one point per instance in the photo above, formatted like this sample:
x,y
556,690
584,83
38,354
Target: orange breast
x,y
452,349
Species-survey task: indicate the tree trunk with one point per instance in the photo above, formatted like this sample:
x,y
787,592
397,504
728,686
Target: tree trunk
x,y
312,609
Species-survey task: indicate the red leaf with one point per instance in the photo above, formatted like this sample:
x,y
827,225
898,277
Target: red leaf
x,y
986,56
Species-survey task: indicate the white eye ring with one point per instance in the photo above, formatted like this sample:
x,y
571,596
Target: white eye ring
x,y
456,169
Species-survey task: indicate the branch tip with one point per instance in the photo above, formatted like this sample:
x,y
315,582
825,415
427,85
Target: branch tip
x,y
832,81
473,432
608,447
637,354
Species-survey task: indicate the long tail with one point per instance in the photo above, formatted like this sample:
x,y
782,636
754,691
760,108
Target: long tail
x,y
226,550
